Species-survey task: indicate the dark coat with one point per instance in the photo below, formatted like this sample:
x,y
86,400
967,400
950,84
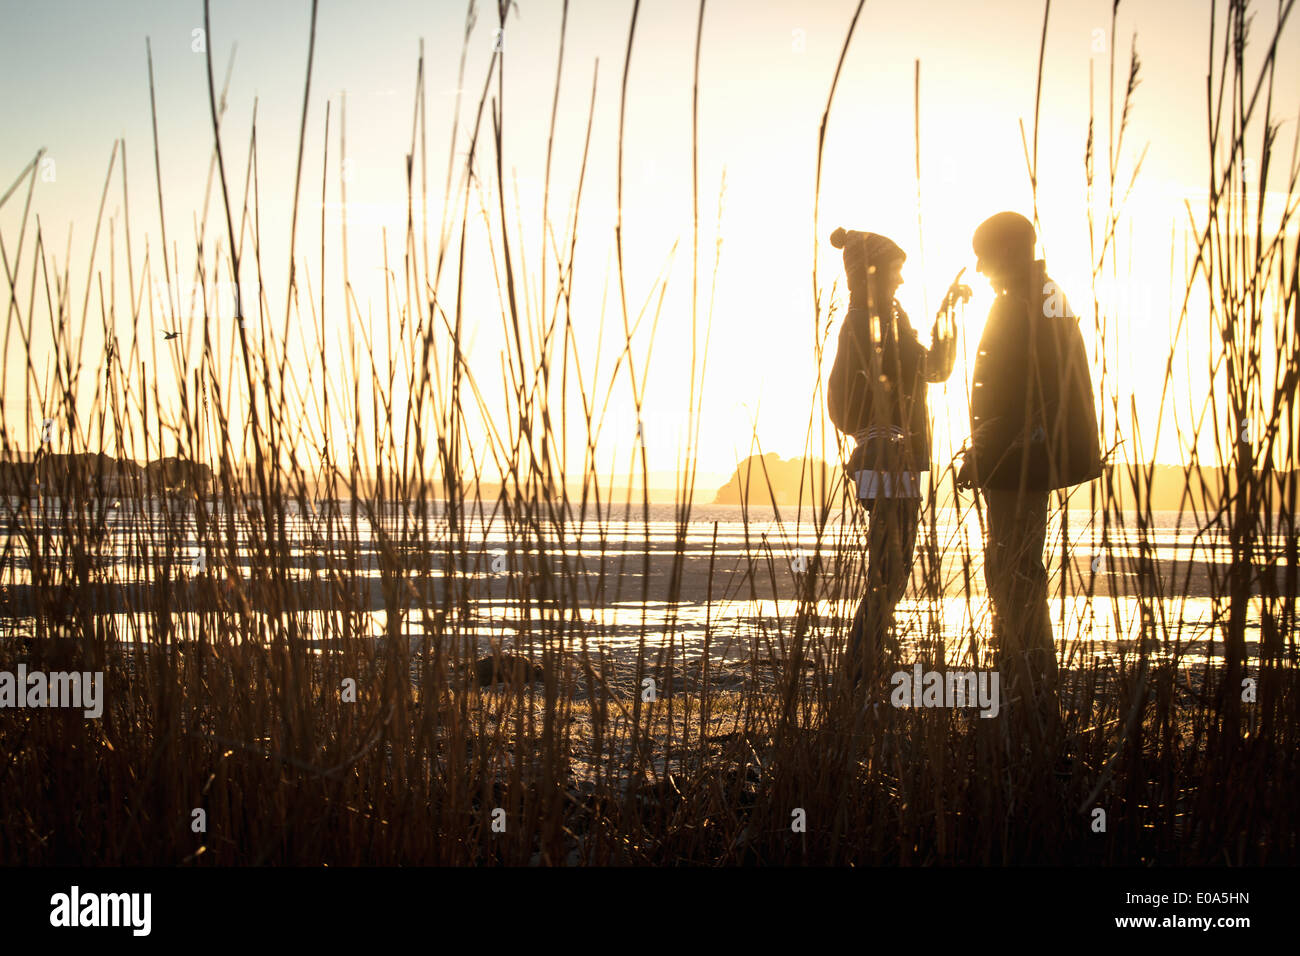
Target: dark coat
x,y
879,379
1033,420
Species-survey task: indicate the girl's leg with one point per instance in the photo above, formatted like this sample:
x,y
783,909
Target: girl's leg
x,y
891,540
892,556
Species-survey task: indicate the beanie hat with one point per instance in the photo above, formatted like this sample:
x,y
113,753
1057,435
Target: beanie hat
x,y
1003,233
863,250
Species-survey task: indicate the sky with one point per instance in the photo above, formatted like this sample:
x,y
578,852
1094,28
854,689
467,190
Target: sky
x,y
77,81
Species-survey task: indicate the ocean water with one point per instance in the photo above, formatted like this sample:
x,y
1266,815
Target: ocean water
x,y
746,582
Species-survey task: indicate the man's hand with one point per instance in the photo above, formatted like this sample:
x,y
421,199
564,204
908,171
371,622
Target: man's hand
x,y
965,478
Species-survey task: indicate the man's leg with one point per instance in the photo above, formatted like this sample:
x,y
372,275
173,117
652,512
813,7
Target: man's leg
x,y
1017,584
1032,588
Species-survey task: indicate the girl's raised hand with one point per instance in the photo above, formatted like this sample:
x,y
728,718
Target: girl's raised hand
x,y
957,292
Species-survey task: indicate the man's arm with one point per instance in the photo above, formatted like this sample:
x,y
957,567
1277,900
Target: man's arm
x,y
998,383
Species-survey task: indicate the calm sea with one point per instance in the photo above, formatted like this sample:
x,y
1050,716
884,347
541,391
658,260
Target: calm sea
x,y
617,578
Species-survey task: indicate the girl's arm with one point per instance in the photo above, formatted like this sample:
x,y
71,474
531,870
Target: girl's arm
x,y
942,353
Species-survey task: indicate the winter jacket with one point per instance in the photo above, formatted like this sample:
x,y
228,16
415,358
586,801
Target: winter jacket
x,y
1033,420
878,384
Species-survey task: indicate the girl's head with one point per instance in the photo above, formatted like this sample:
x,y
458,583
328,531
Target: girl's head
x,y
873,265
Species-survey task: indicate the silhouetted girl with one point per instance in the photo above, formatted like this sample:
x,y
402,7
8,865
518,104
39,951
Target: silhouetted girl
x,y
876,393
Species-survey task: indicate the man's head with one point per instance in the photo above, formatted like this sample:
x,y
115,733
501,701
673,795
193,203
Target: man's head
x,y
1004,247
872,263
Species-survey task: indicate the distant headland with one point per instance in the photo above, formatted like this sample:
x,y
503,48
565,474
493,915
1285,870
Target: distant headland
x,y
770,481
101,475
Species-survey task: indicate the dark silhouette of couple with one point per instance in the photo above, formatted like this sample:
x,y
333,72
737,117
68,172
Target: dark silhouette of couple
x,y
1033,430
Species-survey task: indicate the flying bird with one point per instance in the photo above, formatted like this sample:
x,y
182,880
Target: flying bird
x,y
170,335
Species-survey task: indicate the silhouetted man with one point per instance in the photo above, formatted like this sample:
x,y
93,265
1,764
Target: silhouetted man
x,y
1033,429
